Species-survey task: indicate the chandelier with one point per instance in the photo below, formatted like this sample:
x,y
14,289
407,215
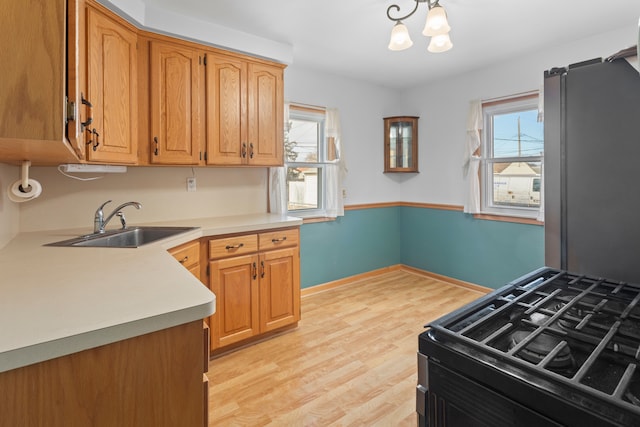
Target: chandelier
x,y
437,27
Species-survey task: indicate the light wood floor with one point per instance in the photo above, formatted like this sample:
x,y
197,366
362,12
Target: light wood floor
x,y
351,361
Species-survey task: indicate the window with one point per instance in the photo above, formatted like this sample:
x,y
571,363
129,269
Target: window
x,y
307,156
513,145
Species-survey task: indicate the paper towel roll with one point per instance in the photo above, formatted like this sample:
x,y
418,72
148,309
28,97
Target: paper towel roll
x,y
19,194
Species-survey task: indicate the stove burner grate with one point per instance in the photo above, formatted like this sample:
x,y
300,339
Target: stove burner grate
x,y
540,347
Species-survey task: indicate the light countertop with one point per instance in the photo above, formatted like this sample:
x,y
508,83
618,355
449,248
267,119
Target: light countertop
x,y
56,301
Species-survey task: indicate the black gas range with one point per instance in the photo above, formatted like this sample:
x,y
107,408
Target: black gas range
x,y
551,348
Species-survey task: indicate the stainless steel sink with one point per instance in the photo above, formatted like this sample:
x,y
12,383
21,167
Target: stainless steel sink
x,y
128,238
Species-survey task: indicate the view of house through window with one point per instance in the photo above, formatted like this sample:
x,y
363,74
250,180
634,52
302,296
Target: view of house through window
x,y
305,157
512,157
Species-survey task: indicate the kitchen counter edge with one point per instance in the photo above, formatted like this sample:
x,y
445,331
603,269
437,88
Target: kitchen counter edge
x,y
64,329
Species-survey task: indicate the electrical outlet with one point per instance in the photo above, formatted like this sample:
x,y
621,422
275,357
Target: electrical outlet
x,y
191,184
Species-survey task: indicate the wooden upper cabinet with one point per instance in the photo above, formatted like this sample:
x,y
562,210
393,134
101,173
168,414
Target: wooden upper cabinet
x,y
112,89
176,95
230,115
226,82
245,105
32,82
401,144
266,115
76,73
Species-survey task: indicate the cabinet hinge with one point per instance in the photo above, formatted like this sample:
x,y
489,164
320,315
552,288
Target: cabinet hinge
x,y
71,111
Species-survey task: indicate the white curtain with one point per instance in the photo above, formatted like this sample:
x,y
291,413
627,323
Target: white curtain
x,y
336,171
278,180
472,161
541,120
541,105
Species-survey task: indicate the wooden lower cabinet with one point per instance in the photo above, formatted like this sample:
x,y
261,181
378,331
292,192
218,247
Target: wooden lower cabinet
x,y
235,283
257,285
150,380
188,255
279,289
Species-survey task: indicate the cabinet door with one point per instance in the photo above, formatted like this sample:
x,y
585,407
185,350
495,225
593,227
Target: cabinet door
x,y
176,126
279,289
112,91
76,72
226,80
265,115
32,35
235,283
32,83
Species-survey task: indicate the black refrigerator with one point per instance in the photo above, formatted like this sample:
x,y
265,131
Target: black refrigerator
x,y
592,167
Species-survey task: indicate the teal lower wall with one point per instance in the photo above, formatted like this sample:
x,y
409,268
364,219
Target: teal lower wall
x,y
360,241
454,244
451,243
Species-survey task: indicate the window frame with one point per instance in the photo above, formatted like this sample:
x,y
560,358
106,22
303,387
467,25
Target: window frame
x,y
489,110
319,116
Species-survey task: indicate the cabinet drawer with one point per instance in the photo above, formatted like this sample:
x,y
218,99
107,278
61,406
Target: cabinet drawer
x,y
278,239
231,246
188,254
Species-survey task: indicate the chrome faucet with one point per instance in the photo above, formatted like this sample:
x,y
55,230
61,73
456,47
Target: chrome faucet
x,y
99,221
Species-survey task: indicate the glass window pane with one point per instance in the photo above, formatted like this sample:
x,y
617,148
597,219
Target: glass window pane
x,y
302,141
516,184
518,134
400,152
303,184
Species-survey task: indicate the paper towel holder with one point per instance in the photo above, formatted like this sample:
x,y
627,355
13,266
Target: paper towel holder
x,y
24,186
24,189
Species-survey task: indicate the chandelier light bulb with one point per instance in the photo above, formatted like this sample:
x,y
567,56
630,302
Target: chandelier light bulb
x,y
440,43
400,38
437,23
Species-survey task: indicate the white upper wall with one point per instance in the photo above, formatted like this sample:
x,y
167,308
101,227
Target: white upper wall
x,y
183,26
362,107
442,107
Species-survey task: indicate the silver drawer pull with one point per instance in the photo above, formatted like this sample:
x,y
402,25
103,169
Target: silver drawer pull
x,y
239,245
279,240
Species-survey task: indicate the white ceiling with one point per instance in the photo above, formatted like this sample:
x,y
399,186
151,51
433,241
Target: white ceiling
x,y
350,37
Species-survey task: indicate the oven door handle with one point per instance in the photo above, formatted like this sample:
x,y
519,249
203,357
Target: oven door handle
x,y
423,382
421,400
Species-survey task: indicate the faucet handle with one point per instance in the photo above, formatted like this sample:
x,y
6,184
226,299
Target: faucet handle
x,y
102,206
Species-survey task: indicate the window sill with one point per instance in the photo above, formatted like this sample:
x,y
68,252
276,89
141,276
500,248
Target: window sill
x,y
312,220
504,218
